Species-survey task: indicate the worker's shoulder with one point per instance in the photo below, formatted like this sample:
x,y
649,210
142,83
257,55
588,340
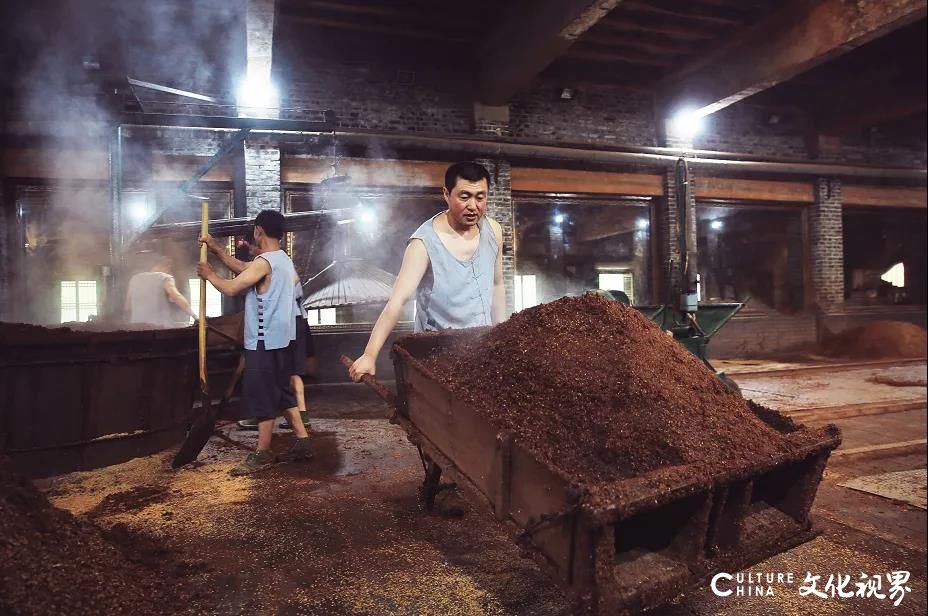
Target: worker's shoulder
x,y
497,228
416,247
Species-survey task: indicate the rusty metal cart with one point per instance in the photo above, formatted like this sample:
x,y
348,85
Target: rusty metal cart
x,y
647,543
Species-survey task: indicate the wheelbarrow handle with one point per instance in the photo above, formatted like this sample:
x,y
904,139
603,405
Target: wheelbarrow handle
x,y
379,388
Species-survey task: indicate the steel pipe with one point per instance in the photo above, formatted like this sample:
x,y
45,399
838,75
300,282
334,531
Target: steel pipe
x,y
509,149
294,221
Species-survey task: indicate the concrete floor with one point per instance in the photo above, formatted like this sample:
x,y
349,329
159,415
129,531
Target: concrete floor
x,y
343,534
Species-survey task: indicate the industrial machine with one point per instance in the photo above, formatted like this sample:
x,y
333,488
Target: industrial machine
x,y
693,324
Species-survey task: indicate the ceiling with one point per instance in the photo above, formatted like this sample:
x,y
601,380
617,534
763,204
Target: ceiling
x,y
497,49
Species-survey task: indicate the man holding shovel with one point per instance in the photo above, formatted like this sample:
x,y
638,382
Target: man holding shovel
x,y
269,283
303,348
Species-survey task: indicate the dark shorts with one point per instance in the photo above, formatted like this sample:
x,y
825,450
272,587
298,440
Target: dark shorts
x,y
266,390
303,347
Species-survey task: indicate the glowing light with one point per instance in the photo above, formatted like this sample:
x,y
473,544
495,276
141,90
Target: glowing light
x,y
687,123
716,225
138,209
558,219
642,223
367,217
256,95
895,275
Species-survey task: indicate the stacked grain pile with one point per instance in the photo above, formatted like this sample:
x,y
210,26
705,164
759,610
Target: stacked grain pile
x,y
877,340
54,563
601,393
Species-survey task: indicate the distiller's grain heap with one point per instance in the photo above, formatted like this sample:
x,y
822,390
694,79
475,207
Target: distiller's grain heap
x,y
603,394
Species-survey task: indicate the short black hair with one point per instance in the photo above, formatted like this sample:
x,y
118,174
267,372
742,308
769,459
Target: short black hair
x,y
468,170
272,222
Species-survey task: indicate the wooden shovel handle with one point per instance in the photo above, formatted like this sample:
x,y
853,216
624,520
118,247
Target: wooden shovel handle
x,y
379,388
201,316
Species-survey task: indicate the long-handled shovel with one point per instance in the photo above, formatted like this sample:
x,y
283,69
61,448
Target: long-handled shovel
x,y
203,425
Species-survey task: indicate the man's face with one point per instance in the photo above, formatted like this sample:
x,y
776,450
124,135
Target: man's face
x,y
467,201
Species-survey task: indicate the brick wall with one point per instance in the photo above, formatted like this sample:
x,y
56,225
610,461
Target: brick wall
x,y
749,129
372,99
499,207
669,225
176,141
826,244
262,175
876,149
621,117
669,229
763,333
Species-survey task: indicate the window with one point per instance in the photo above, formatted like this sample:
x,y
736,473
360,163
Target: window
x,y
213,298
751,250
618,281
525,292
398,214
78,300
321,316
587,243
62,240
895,275
885,258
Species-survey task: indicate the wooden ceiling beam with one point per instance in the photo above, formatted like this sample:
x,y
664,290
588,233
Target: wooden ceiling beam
x,y
524,43
402,11
585,51
712,18
383,28
802,35
751,5
648,44
629,23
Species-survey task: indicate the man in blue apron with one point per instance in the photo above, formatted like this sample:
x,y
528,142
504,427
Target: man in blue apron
x,y
270,283
453,265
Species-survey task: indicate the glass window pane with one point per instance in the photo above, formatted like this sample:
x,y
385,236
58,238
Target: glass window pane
x,y
213,301
327,316
527,288
68,301
379,235
565,247
612,282
213,298
884,256
751,250
194,294
86,299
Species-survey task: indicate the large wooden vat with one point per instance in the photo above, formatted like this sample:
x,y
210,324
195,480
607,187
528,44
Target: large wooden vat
x,y
79,399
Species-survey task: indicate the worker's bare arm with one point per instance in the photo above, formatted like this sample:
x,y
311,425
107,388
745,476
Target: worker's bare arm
x,y
250,276
177,298
234,265
498,308
415,264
